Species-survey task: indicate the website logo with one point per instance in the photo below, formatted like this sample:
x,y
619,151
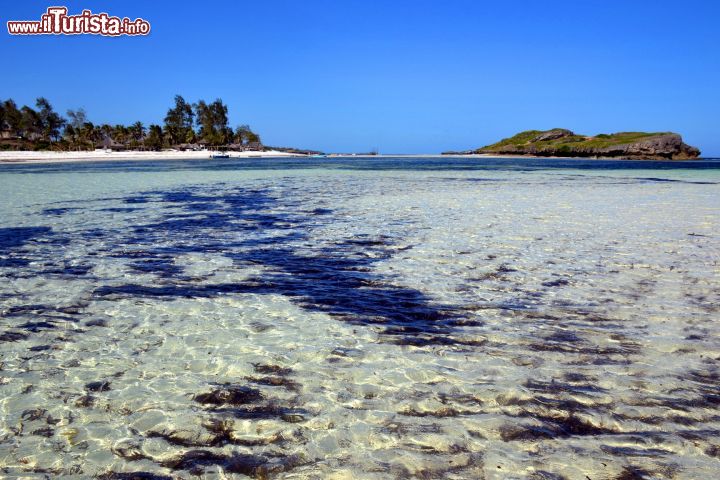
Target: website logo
x,y
56,21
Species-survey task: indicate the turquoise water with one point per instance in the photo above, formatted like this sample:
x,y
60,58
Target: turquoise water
x,y
360,318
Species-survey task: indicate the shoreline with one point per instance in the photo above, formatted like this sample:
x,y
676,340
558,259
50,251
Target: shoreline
x,y
44,157
31,157
555,157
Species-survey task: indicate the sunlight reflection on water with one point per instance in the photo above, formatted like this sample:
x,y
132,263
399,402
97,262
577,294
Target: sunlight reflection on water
x,y
193,318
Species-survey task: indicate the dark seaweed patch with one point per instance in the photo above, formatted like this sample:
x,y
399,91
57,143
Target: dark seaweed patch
x,y
634,473
11,336
713,451
457,463
85,401
542,402
43,432
256,466
335,279
163,266
321,211
58,212
220,434
40,348
268,369
67,269
229,395
37,326
223,434
552,426
634,452
275,381
513,433
18,236
133,476
136,199
99,386
572,425
543,475
672,180
33,414
556,387
266,412
119,209
96,323
184,439
444,412
16,262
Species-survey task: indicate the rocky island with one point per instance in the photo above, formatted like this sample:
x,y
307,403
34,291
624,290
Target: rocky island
x,y
560,142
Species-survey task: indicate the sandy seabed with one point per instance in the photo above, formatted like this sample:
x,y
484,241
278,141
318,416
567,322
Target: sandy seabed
x,y
359,324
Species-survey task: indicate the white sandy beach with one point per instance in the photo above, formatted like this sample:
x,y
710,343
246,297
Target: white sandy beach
x,y
101,155
29,157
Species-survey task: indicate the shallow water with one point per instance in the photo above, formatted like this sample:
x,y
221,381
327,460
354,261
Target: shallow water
x,y
365,318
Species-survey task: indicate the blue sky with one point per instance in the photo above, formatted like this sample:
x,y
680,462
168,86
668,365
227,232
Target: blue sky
x,y
403,76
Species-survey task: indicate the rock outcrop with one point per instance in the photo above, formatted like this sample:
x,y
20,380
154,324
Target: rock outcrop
x,y
560,142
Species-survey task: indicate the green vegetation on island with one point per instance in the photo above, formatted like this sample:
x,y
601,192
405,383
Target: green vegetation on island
x,y
560,142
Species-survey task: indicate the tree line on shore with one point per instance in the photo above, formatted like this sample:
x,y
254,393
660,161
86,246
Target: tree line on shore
x,y
185,125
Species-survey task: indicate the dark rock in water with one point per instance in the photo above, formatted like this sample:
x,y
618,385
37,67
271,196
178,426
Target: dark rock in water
x,y
560,142
99,386
229,395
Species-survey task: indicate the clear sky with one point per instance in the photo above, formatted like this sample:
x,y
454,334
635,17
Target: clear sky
x,y
409,76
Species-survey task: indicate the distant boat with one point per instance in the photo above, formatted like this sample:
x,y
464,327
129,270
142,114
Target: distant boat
x,y
219,155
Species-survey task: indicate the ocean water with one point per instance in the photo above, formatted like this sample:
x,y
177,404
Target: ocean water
x,y
360,319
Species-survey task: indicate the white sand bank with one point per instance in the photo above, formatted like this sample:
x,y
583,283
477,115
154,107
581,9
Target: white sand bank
x,y
101,155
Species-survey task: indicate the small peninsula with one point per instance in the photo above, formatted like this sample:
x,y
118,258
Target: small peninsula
x,y
560,142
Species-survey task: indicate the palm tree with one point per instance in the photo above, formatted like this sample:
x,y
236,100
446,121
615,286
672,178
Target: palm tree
x,y
51,121
136,133
30,123
120,134
86,134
